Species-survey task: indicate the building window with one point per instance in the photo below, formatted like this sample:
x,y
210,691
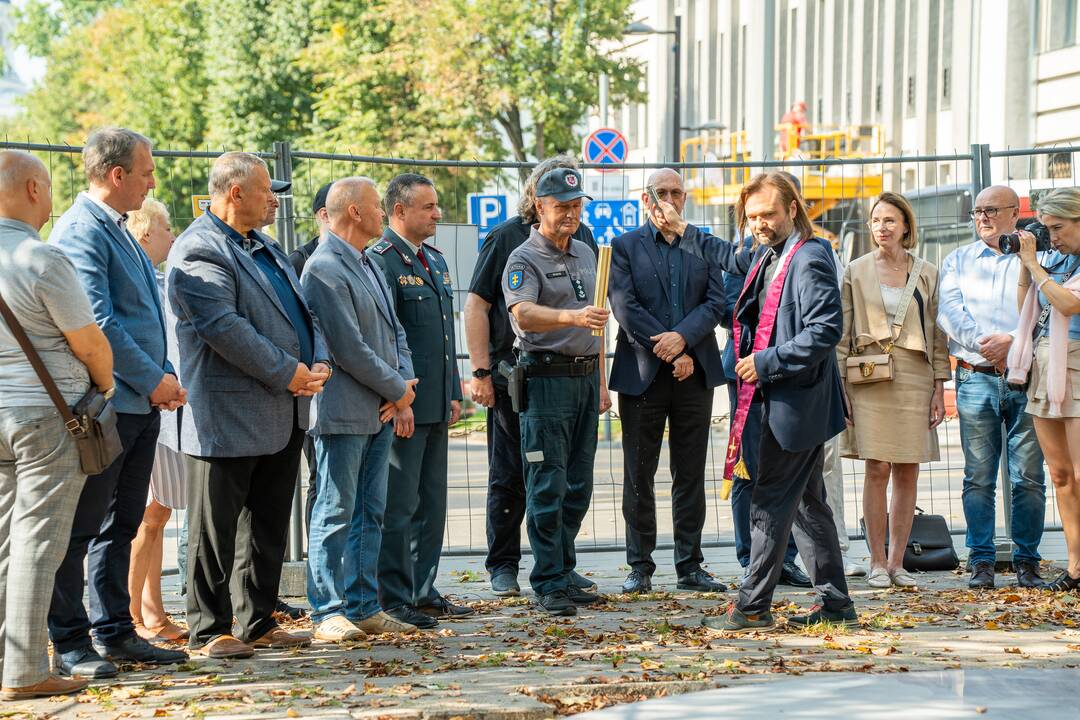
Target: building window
x,y
1057,24
911,93
945,88
877,98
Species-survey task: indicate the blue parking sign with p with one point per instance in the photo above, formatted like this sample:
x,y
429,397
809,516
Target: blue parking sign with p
x,y
486,211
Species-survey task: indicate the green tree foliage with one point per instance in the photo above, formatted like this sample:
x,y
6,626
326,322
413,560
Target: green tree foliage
x,y
436,79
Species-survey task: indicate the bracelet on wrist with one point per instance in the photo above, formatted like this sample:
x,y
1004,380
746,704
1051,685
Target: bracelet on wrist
x,y
1043,282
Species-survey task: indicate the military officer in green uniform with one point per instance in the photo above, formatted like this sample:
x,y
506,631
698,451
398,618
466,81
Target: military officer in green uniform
x,y
415,516
548,283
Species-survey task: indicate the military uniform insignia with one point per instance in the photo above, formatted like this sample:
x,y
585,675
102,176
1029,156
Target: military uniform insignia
x,y
579,289
403,280
446,278
382,247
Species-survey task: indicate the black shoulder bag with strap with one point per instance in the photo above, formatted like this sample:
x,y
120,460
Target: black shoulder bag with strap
x,y
929,546
92,422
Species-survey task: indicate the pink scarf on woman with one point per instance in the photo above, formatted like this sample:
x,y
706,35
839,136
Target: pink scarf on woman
x,y
1023,348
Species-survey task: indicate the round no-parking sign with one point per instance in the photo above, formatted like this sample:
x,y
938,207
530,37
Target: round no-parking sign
x,y
605,146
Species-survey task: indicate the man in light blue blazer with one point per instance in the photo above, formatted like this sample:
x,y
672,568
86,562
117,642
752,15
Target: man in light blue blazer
x,y
251,356
373,380
119,280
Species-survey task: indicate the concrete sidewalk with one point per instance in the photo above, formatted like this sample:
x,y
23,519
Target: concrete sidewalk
x,y
513,662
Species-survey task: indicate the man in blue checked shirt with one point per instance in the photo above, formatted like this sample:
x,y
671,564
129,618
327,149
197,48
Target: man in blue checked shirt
x,y
977,309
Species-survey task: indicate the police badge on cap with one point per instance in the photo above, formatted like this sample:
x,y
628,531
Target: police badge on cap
x,y
563,184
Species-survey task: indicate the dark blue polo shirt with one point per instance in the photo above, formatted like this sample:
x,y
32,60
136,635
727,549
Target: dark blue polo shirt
x,y
671,262
279,280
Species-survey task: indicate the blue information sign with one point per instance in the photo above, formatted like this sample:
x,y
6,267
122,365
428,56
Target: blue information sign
x,y
610,218
486,211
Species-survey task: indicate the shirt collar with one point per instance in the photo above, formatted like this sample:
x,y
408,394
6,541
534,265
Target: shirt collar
x,y
983,250
355,253
116,217
658,236
13,224
548,245
251,239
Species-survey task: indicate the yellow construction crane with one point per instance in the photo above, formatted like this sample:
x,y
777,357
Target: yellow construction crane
x,y
823,186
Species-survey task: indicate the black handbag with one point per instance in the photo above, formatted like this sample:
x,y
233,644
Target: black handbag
x,y
92,422
929,547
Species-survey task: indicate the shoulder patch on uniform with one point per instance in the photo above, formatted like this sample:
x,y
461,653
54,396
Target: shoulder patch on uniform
x,y
515,277
428,246
382,247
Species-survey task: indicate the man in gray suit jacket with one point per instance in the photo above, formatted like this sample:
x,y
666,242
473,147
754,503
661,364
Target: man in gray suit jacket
x,y
374,379
251,356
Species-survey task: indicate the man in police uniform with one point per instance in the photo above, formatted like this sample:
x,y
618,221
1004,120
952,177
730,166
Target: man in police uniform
x,y
548,284
491,341
415,516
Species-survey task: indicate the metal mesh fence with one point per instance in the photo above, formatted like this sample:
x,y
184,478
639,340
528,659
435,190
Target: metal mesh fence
x,y
839,193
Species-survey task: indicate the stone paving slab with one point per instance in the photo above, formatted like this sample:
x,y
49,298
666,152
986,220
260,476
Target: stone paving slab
x,y
510,661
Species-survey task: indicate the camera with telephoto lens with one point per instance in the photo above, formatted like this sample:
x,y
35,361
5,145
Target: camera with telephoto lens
x,y
1011,243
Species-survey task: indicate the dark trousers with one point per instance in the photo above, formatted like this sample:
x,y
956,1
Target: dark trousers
x,y
106,520
506,486
686,407
238,525
790,491
742,489
415,518
558,442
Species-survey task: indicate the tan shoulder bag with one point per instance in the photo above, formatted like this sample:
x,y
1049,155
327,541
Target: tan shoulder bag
x,y
866,369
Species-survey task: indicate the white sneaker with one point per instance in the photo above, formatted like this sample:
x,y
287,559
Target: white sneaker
x,y
852,568
879,578
337,628
901,578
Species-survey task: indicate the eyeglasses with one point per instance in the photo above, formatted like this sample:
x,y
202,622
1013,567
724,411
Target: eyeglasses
x,y
990,212
884,223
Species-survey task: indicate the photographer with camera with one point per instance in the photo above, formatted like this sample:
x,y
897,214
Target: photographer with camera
x,y
976,311
1047,350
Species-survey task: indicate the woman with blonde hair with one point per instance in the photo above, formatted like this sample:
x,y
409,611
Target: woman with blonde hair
x,y
1048,345
149,225
890,299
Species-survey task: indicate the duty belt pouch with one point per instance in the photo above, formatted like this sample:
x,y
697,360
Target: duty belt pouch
x,y
515,385
930,546
92,422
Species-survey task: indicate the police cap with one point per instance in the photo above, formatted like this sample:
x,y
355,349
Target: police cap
x,y
563,184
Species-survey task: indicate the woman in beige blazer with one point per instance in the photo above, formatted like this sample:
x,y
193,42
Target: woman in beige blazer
x,y
892,422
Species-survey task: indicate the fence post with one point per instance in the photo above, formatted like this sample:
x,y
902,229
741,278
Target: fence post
x,y
286,220
286,237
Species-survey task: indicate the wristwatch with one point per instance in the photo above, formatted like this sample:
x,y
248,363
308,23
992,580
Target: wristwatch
x,y
481,373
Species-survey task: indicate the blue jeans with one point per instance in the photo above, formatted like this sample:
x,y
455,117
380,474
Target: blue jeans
x,y
984,402
741,490
346,521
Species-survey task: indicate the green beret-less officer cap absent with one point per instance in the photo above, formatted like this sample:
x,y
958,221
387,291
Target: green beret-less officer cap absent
x,y
563,184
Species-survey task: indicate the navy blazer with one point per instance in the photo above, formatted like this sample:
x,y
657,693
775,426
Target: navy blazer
x,y
123,291
641,303
797,373
733,285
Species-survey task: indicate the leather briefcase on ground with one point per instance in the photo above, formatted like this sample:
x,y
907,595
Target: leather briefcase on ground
x,y
92,422
930,546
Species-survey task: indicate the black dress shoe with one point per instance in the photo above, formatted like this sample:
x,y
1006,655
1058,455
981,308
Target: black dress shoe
x,y
557,603
1062,583
409,614
505,584
580,581
136,650
84,662
1027,575
293,613
637,582
700,581
793,576
443,608
982,576
581,597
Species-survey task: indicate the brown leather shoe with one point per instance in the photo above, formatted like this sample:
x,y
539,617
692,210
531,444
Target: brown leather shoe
x,y
52,685
279,638
224,646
